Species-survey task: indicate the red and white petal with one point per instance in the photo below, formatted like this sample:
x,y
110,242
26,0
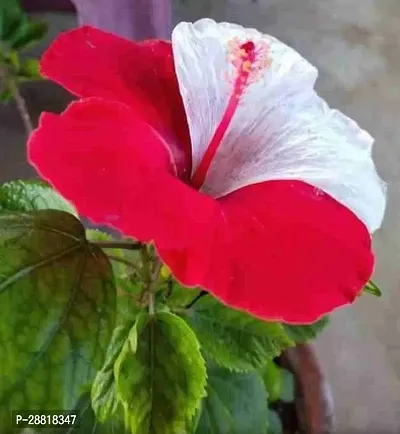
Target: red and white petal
x,y
92,63
279,250
281,129
116,170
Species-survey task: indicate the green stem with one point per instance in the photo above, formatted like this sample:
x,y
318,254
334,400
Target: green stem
x,y
150,276
126,245
153,284
151,304
170,286
144,254
21,105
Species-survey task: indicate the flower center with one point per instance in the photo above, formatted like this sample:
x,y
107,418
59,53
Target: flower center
x,y
249,64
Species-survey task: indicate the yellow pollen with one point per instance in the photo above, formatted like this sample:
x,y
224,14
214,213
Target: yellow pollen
x,y
246,66
249,67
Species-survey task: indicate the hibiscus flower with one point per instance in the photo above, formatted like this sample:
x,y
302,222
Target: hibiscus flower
x,y
216,148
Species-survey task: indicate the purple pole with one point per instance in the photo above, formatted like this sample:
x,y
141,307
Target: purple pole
x,y
132,19
47,5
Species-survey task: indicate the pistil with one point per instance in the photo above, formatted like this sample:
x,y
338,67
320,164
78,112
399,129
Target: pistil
x,y
248,62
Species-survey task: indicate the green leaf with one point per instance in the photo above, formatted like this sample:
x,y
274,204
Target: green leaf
x,y
191,426
161,375
11,16
234,339
279,383
57,310
17,30
29,70
235,403
18,71
371,288
104,395
28,33
22,196
304,333
273,380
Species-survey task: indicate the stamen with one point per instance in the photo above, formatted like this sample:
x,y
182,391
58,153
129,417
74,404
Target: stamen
x,y
250,63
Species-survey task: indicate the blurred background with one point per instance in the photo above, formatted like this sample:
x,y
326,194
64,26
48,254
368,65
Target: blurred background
x,y
355,44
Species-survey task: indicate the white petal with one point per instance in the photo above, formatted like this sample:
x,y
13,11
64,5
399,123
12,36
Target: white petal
x,y
281,130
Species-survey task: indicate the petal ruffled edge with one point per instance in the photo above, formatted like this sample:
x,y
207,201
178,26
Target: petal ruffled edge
x,y
280,250
92,63
117,171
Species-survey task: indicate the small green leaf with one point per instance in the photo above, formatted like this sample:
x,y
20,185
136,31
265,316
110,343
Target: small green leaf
x,y
29,33
234,339
279,383
160,374
22,196
304,333
18,71
98,235
57,310
11,16
273,380
29,70
235,403
104,396
192,425
371,288
16,32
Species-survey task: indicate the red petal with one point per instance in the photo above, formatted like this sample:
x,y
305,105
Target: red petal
x,y
282,250
89,62
116,170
